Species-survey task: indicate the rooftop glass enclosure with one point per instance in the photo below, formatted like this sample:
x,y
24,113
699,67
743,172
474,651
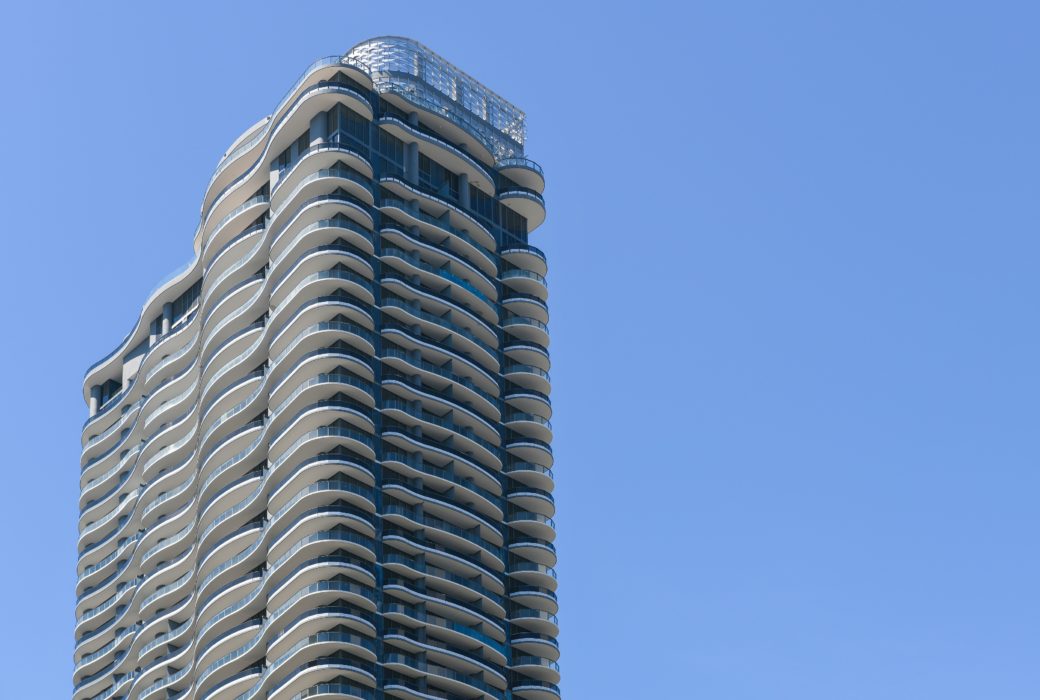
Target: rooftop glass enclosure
x,y
405,67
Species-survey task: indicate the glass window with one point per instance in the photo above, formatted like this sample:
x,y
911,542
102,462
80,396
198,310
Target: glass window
x,y
481,203
391,147
513,223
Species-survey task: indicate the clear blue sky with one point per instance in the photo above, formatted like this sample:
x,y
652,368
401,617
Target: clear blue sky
x,y
794,290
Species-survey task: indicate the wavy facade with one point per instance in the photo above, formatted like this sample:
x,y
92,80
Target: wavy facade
x,y
319,466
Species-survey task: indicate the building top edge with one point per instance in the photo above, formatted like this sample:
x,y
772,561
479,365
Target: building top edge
x,y
408,68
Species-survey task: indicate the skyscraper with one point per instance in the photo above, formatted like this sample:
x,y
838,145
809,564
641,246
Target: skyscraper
x,y
318,466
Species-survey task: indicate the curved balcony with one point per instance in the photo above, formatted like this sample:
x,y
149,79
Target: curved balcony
x,y
346,420
99,443
470,664
403,206
535,500
528,329
332,501
531,689
339,687
527,376
321,69
528,305
525,256
443,306
535,644
532,524
443,209
531,595
341,466
462,388
317,98
171,397
248,437
218,406
523,171
321,270
530,474
402,235
439,149
339,179
422,455
245,299
102,369
457,586
535,620
462,291
527,401
173,454
239,218
340,232
243,251
407,338
525,282
528,449
215,530
533,549
529,424
439,603
457,682
485,502
527,353
323,156
288,677
341,476
319,208
223,425
340,384
337,358
446,533
534,574
89,664
443,428
356,524
319,335
295,598
338,307
449,507
171,361
525,202
324,642
457,633
536,667
437,397
409,312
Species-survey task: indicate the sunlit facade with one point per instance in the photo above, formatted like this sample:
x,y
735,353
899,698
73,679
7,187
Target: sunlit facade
x,y
319,466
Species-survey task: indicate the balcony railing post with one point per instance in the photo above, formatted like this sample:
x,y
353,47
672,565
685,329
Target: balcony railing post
x,y
464,190
318,129
411,162
95,399
167,317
